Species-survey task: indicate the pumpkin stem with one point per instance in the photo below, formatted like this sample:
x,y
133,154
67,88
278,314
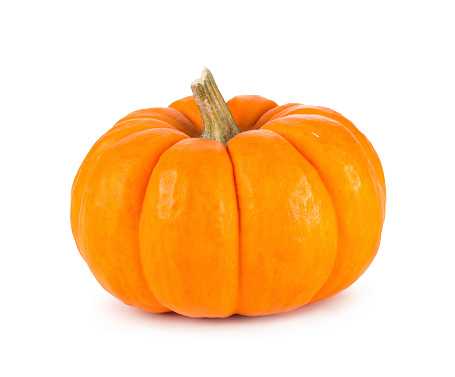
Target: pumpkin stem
x,y
218,121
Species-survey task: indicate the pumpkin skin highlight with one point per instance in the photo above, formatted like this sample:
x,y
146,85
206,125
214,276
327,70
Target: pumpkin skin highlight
x,y
290,212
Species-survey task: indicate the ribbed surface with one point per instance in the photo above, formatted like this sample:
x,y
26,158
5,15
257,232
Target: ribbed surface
x,y
289,214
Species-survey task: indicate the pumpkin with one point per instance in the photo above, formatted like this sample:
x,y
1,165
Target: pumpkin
x,y
209,209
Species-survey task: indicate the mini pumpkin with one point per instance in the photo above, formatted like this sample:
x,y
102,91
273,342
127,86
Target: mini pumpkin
x,y
209,209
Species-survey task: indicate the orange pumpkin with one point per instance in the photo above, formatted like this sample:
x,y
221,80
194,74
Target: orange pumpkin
x,y
208,209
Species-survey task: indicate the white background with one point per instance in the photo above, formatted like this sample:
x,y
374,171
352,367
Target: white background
x,y
70,70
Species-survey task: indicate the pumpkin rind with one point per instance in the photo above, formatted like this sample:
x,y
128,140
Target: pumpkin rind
x,y
373,157
113,136
168,115
189,230
108,222
188,107
345,170
247,110
289,213
288,230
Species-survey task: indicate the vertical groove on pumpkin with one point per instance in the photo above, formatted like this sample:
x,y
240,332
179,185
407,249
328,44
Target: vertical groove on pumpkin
x,y
381,181
375,184
239,274
336,216
100,277
138,230
334,210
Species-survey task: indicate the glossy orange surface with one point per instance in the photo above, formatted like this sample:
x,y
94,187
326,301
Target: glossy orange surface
x,y
289,213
